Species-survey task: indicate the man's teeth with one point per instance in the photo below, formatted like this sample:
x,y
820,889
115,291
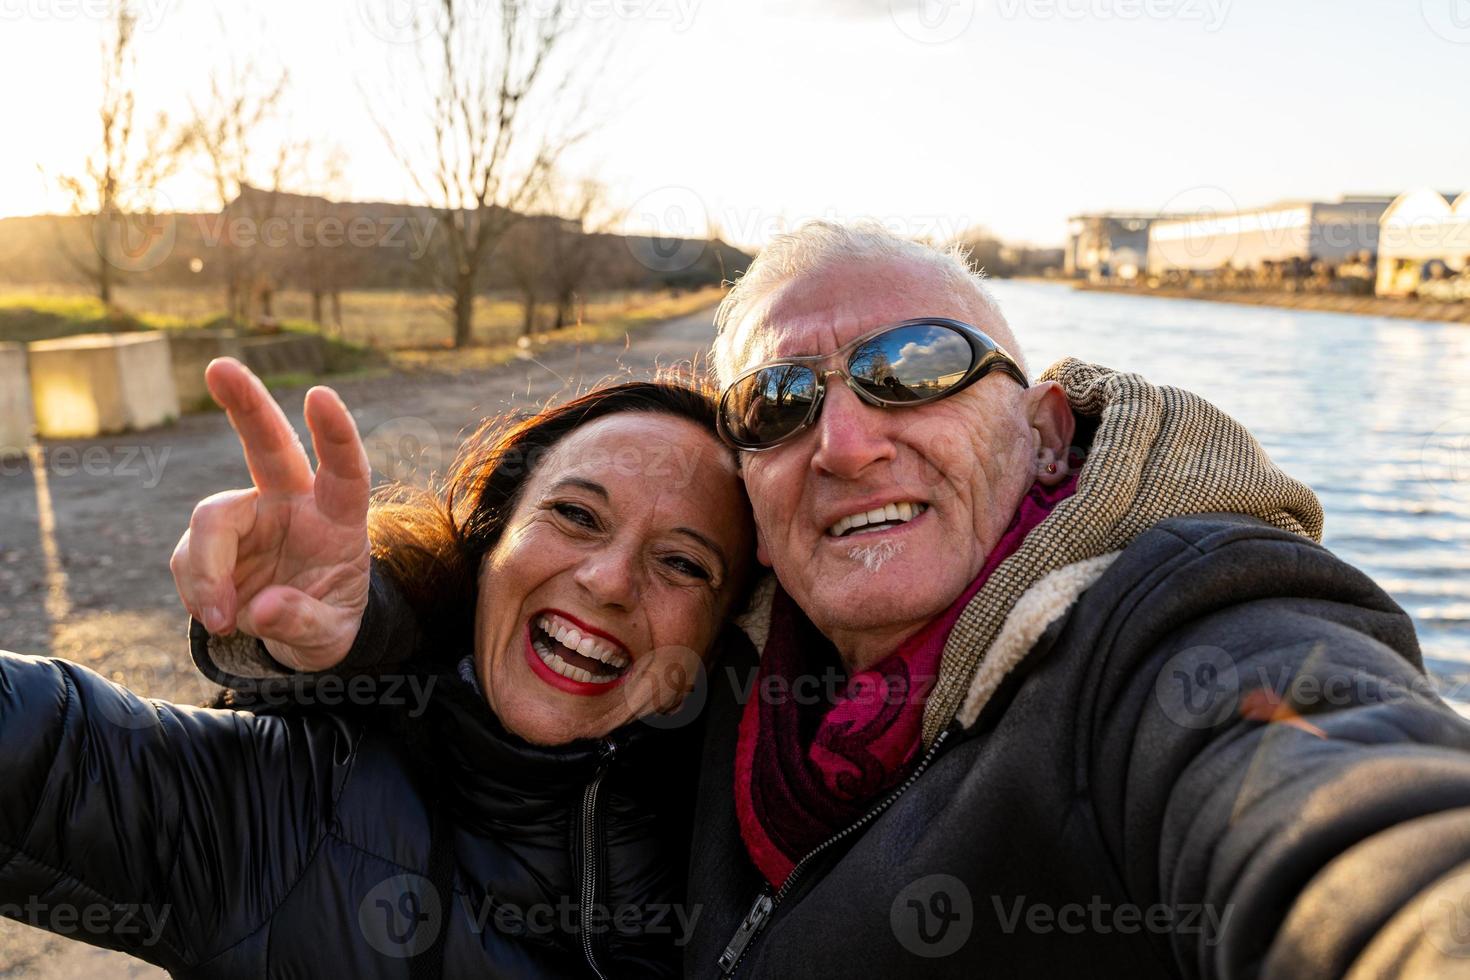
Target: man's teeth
x,y
890,513
588,646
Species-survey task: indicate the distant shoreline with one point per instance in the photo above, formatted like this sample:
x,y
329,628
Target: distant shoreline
x,y
1409,309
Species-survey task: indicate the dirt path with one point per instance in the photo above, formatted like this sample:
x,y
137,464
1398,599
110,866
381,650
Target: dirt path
x,y
85,538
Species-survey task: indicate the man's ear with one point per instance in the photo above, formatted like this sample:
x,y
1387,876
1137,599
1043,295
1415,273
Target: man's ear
x,y
1052,428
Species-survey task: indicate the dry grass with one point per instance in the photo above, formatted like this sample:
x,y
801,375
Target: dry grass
x,y
410,328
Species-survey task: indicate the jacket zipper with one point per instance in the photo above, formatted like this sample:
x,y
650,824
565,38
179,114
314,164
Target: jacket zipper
x,y
592,852
765,903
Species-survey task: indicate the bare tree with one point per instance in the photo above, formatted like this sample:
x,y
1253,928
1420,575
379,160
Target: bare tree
x,y
526,264
119,181
481,163
228,129
322,264
572,258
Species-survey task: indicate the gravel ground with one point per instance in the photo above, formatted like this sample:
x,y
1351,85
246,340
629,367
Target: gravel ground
x,y
85,536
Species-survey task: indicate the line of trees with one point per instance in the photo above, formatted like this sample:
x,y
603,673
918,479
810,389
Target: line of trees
x,y
468,133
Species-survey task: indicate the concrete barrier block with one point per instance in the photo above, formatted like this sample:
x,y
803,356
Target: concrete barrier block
x,y
191,351
293,353
16,421
101,383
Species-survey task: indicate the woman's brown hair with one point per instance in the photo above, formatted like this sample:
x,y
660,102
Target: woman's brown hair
x,y
430,542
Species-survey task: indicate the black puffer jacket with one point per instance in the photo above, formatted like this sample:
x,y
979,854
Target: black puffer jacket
x,y
235,844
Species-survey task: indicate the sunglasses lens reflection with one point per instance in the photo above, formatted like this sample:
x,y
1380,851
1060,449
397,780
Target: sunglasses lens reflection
x,y
911,364
769,404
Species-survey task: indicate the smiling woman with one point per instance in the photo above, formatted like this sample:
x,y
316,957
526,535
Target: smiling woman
x,y
516,819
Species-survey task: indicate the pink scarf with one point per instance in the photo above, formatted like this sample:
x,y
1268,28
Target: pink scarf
x,y
812,758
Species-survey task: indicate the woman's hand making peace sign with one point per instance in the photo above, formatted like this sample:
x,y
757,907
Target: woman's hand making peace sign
x,y
287,559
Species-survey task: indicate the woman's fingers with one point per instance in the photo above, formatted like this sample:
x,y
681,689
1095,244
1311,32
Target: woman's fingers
x,y
301,632
204,562
343,475
273,452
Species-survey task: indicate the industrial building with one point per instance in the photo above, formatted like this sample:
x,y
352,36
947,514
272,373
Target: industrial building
x,y
1423,242
1111,245
1291,231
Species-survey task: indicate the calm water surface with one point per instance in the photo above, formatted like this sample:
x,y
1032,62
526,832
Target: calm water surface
x,y
1372,413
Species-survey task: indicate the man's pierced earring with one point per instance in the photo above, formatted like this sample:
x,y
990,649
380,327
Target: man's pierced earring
x,y
1051,467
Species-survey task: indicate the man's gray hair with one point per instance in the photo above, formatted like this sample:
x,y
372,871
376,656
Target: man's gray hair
x,y
817,244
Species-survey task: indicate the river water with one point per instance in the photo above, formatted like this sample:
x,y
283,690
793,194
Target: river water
x,y
1373,413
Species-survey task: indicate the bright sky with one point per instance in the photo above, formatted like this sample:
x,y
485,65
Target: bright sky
x,y
932,115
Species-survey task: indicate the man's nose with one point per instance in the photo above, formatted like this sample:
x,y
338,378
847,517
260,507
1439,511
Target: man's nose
x,y
851,435
610,576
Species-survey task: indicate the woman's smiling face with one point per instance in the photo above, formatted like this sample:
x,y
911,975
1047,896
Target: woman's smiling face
x,y
611,577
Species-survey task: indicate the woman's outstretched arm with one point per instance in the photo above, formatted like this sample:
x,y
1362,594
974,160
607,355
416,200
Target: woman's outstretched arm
x,y
162,831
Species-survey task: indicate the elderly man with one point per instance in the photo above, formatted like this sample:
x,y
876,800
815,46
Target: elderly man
x,y
1052,678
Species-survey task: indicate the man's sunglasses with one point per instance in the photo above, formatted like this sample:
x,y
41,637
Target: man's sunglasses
x,y
912,363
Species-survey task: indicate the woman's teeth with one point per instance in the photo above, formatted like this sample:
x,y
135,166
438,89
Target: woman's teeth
x,y
572,642
877,519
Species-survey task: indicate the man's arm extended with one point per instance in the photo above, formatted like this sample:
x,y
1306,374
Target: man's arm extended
x,y
1265,746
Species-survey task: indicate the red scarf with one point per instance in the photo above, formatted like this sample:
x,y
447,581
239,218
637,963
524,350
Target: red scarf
x,y
817,749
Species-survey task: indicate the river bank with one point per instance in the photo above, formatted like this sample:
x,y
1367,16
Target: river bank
x,y
1409,309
